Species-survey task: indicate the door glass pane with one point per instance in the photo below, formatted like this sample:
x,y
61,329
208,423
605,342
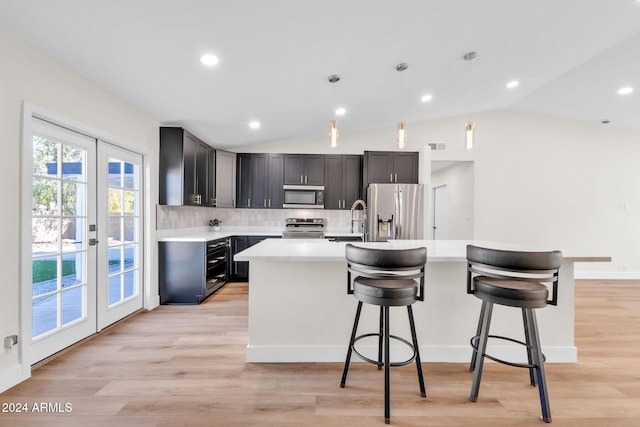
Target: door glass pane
x,y
44,274
45,234
59,251
130,284
123,214
114,289
72,304
44,314
45,156
45,196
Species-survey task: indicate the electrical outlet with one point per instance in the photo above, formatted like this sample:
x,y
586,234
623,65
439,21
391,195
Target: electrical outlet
x,y
10,341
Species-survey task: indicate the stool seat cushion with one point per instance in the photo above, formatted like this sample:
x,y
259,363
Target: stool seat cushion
x,y
515,293
385,292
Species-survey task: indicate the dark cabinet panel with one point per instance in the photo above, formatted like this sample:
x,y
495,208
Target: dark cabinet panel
x,y
333,195
188,272
352,178
405,167
276,180
304,169
244,178
259,180
186,169
294,169
390,166
240,269
379,166
343,180
260,172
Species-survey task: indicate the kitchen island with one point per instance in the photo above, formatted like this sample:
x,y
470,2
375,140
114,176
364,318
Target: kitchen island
x,y
299,309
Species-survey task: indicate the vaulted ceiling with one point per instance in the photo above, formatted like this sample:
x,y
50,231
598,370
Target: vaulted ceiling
x,y
570,57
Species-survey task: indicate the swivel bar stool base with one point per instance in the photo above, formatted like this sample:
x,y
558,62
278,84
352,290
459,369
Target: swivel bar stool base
x,y
386,278
515,279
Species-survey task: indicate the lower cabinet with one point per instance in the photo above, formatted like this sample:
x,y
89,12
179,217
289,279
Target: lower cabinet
x,y
239,270
189,272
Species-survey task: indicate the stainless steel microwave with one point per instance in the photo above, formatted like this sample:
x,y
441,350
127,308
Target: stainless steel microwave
x,y
303,196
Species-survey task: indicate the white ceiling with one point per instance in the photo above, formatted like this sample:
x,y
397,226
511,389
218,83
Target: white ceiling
x,y
570,57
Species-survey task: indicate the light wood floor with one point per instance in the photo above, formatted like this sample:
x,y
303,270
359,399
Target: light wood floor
x,y
184,366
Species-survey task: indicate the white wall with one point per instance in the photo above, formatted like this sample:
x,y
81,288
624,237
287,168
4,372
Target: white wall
x,y
538,181
459,180
28,76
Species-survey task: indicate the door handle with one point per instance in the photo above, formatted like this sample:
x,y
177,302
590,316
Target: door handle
x,y
93,242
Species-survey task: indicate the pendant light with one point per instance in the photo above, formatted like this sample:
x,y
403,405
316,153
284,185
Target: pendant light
x,y
402,132
469,128
333,124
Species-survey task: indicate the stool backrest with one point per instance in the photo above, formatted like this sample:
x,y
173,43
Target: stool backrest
x,y
539,267
387,264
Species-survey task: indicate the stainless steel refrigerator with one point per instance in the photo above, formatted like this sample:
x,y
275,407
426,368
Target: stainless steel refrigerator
x,y
395,211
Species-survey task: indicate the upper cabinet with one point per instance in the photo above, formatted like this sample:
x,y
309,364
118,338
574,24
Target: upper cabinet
x,y
225,179
390,166
259,180
343,180
305,169
186,169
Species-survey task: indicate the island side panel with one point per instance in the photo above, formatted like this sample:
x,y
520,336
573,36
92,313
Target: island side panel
x,y
301,312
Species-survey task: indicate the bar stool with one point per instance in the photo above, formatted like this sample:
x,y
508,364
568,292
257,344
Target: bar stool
x,y
386,278
515,279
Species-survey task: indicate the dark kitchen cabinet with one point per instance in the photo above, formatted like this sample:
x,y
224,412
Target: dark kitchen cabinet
x,y
305,169
239,270
260,180
243,180
189,272
186,169
343,180
225,179
390,166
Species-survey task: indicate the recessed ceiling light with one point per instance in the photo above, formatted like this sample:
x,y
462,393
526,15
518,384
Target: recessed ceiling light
x,y
512,84
254,125
340,111
625,90
426,98
209,59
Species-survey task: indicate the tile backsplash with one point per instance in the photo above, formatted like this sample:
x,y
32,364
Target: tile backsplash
x,y
175,217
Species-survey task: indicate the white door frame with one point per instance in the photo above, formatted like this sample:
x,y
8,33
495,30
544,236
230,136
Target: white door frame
x,y
151,299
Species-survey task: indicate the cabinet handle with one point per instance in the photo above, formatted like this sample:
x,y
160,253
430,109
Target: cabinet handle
x,y
390,177
306,179
396,177
269,202
233,201
265,203
249,202
301,179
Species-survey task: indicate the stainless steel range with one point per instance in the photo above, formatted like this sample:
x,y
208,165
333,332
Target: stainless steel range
x,y
304,228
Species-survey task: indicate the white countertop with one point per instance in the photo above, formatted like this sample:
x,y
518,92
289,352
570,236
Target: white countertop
x,y
321,250
203,234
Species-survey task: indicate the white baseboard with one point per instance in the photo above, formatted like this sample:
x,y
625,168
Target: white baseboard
x,y
12,376
452,354
607,275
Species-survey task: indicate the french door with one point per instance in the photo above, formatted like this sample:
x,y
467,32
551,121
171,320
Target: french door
x,y
85,237
119,234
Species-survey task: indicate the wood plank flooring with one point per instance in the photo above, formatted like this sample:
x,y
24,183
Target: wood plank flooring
x,y
184,366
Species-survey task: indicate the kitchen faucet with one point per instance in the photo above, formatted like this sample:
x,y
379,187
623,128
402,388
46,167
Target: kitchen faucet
x,y
355,204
